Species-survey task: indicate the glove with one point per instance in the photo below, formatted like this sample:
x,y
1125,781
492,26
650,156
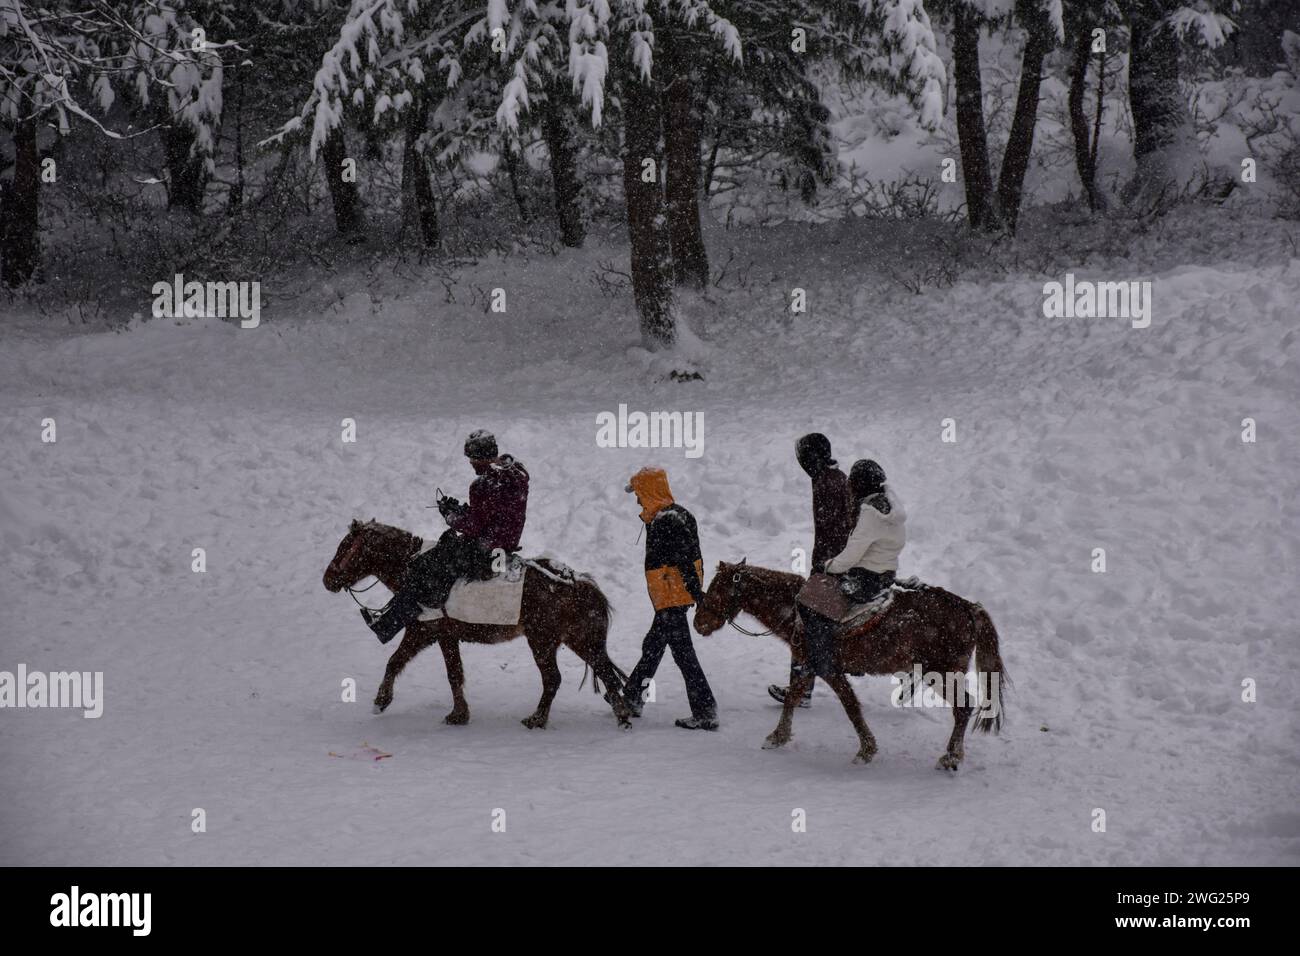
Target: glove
x,y
696,592
448,506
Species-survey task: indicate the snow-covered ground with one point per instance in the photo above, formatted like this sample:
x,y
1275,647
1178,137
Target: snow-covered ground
x,y
223,689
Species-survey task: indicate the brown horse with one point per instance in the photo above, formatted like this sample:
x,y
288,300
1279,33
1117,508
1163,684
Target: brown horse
x,y
557,608
930,628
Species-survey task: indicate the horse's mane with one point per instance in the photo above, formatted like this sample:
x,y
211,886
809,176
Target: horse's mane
x,y
770,577
385,539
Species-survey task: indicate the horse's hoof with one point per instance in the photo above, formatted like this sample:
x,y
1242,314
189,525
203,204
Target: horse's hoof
x,y
774,742
534,722
864,756
624,724
948,762
456,718
378,708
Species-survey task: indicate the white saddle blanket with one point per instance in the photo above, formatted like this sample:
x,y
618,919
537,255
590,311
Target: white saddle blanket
x,y
494,601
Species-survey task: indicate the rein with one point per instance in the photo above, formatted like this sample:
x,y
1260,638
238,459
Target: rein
x,y
416,542
353,592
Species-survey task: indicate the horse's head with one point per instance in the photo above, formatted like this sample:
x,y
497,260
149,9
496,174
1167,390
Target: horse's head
x,y
722,600
761,593
350,563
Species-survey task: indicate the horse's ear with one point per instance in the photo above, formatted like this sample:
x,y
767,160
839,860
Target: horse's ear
x,y
743,561
355,525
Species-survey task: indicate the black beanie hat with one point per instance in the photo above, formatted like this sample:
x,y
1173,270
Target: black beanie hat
x,y
480,444
866,478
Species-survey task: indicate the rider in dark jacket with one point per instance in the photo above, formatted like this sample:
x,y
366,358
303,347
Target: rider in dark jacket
x,y
832,518
491,523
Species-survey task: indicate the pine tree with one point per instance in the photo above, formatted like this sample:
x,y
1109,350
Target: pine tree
x,y
52,61
1043,25
1164,139
628,27
390,63
1088,26
177,80
527,43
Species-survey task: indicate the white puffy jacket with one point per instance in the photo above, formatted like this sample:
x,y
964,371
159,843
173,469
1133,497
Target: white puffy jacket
x,y
876,540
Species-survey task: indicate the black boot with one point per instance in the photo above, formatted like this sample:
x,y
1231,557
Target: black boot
x,y
698,722
779,694
395,615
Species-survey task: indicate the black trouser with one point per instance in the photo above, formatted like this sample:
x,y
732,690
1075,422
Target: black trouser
x,y
794,674
428,580
819,631
669,631
818,643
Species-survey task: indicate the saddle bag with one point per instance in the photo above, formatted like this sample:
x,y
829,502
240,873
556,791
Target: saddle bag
x,y
823,595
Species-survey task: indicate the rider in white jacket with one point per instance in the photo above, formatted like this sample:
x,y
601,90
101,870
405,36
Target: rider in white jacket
x,y
878,537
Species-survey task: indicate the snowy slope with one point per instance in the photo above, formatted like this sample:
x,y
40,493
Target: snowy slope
x,y
223,688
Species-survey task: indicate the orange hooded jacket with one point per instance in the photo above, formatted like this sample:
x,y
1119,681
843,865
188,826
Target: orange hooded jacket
x,y
674,568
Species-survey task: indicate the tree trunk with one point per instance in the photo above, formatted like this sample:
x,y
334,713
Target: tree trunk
x,y
981,203
187,173
682,145
343,193
19,219
1084,151
510,155
279,187
236,197
1164,140
419,210
652,276
558,132
1020,140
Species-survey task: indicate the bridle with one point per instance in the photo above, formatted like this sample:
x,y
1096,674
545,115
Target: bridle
x,y
353,592
734,608
416,542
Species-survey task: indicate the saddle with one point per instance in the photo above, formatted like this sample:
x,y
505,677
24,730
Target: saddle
x,y
492,600
861,618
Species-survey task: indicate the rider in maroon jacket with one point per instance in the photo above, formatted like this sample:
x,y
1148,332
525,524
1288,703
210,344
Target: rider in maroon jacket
x,y
498,504
491,523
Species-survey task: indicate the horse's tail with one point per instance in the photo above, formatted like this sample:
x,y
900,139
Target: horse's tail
x,y
600,614
990,672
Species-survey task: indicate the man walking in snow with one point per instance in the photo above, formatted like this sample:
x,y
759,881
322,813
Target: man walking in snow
x,y
832,518
673,572
493,521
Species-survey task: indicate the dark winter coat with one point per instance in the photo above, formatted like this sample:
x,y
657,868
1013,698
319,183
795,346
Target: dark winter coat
x,y
674,567
498,505
833,516
673,564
